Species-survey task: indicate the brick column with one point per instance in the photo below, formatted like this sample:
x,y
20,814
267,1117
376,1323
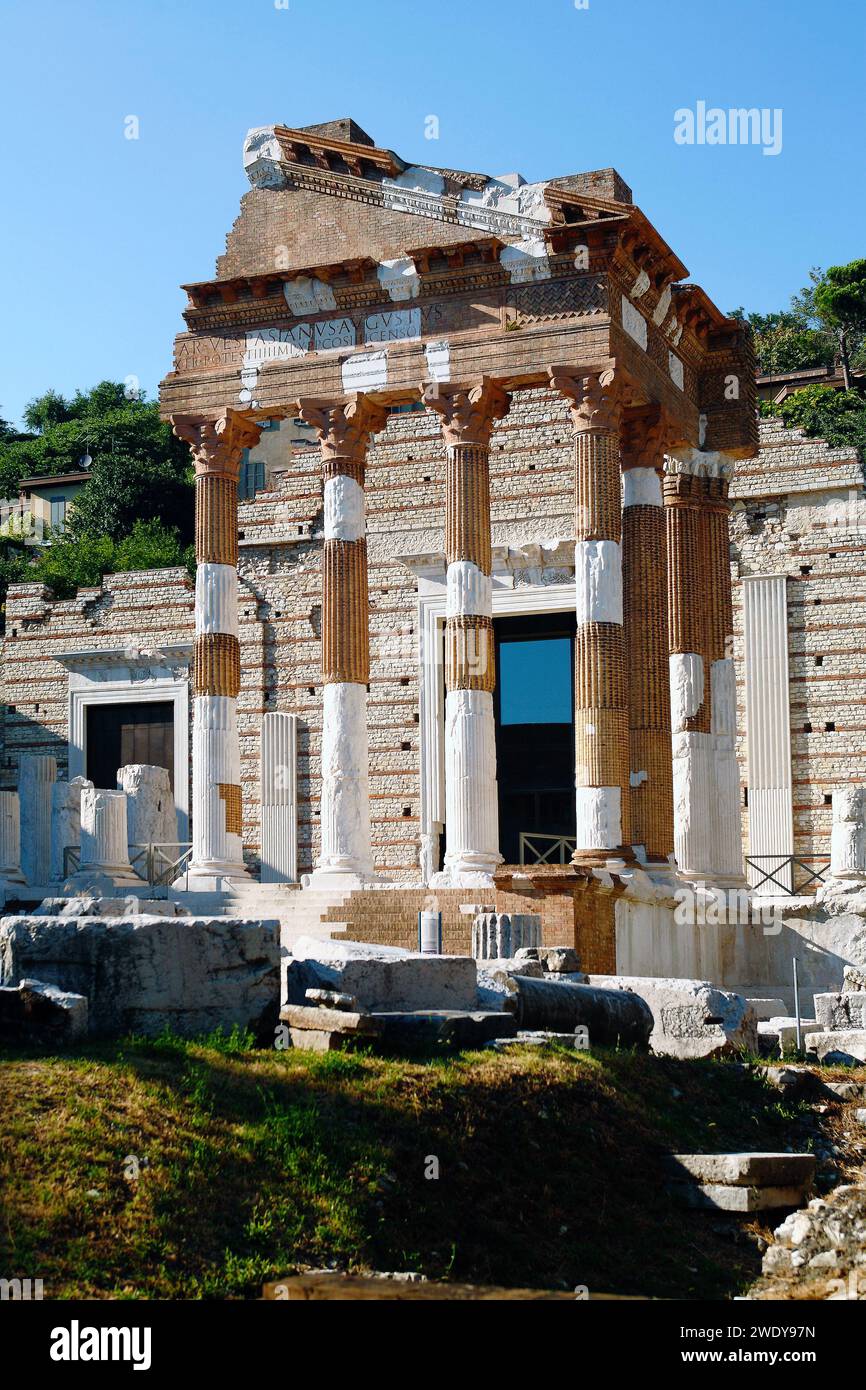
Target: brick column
x,y
644,566
600,687
217,447
344,428
467,413
707,831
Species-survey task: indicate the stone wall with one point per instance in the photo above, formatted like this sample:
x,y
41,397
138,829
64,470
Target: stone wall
x,y
800,510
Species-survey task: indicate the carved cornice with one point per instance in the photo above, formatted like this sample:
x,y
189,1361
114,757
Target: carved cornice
x,y
467,409
595,398
217,444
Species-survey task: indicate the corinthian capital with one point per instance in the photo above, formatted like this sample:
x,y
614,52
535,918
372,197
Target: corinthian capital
x,y
467,408
344,426
595,398
645,434
217,444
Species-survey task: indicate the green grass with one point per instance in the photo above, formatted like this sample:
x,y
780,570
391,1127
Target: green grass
x,y
252,1164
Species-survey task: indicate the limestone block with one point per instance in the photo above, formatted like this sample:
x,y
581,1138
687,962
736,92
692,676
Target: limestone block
x,y
854,978
844,1048
691,1018
841,1011
744,1169
559,960
151,818
143,974
499,935
65,822
33,1011
37,775
766,1008
381,977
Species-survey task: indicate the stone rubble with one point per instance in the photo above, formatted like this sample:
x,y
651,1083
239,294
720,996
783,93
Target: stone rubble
x,y
35,1012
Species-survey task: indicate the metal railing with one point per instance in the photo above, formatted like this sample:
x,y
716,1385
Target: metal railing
x,y
781,875
559,849
157,864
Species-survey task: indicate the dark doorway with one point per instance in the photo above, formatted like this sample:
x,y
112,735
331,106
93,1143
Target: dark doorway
x,y
534,704
129,733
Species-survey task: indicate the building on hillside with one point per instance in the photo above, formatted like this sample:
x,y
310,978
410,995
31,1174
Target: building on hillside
x,y
41,507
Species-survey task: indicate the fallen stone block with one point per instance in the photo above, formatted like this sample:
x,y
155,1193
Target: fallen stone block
x,y
719,1197
574,1041
854,978
514,966
335,1020
691,1018
35,1012
841,1011
145,974
381,977
845,1048
744,1169
612,1017
765,1009
457,1028
779,1035
559,960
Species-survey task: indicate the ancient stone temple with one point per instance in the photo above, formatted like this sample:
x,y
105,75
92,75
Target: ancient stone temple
x,y
494,600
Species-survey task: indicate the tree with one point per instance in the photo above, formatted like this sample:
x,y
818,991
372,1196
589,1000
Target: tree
x,y
840,300
46,410
140,470
837,416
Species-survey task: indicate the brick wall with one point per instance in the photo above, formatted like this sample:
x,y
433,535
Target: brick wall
x,y
800,510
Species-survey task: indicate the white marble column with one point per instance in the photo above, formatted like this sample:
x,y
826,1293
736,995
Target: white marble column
x,y
37,775
468,411
279,798
217,844
344,428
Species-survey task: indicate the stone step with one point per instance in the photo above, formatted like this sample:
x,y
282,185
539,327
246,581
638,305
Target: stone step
x,y
757,1169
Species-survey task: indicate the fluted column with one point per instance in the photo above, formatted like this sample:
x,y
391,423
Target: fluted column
x,y
37,774
344,428
600,686
707,831
10,836
644,564
217,447
467,411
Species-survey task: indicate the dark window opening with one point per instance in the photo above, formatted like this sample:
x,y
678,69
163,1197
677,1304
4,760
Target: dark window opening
x,y
129,733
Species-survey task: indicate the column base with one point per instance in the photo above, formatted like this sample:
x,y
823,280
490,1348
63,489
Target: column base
x,y
213,876
103,883
471,869
600,858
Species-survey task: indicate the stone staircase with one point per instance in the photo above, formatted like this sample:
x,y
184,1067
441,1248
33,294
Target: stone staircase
x,y
300,912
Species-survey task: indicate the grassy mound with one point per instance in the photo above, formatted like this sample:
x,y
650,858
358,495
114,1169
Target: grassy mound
x,y
185,1170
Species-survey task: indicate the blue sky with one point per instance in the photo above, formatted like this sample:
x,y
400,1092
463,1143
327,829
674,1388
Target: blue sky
x,y
98,231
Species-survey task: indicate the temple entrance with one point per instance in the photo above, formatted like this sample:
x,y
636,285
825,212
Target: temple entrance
x,y
534,707
129,733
